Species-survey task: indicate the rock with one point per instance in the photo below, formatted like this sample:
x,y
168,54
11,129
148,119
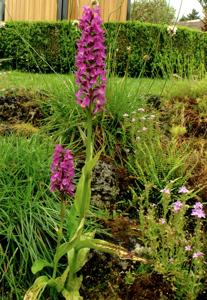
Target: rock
x,y
105,185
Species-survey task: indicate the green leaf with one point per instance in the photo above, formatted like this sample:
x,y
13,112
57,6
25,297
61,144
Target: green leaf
x,y
82,256
83,191
82,134
75,284
64,248
37,288
107,247
39,265
73,220
59,282
62,279
71,295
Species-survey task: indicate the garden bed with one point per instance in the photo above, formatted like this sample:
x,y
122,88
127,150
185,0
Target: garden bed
x,y
150,153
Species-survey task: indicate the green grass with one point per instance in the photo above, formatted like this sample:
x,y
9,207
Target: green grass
x,y
123,94
59,86
28,211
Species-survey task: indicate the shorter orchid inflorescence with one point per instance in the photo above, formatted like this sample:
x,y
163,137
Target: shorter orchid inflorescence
x,y
62,170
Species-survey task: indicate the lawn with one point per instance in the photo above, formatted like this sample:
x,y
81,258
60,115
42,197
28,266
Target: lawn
x,y
60,85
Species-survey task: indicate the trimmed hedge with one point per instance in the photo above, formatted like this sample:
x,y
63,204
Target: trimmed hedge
x,y
39,46
133,47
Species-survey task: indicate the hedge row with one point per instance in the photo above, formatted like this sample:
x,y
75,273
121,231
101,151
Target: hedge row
x,y
133,47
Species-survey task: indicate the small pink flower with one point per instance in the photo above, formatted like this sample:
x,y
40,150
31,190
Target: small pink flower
x,y
162,221
188,248
177,206
198,254
165,191
183,190
198,210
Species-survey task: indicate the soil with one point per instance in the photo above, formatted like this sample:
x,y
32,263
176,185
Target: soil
x,y
20,107
110,282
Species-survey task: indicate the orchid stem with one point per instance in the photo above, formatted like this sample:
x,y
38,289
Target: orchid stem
x,y
60,231
89,141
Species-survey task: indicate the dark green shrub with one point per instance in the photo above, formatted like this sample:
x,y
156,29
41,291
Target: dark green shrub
x,y
39,46
154,52
133,47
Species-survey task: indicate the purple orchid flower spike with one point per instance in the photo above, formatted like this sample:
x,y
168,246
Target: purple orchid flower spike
x,y
62,170
90,61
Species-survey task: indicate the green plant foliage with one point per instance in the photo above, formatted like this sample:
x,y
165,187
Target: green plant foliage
x,y
155,53
39,46
154,11
193,15
170,243
155,159
134,48
28,213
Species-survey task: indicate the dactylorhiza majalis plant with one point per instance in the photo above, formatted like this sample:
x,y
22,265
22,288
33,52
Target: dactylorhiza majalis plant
x,y
91,81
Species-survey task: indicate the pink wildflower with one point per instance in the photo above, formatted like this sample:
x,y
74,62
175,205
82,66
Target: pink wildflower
x,y
165,191
188,248
177,206
162,221
198,210
198,254
62,170
90,61
183,190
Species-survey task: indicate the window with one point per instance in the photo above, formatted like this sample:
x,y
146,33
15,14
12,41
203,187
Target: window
x,y
62,9
2,9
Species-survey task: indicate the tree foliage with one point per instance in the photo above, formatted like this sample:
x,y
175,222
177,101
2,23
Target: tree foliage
x,y
203,3
153,11
193,15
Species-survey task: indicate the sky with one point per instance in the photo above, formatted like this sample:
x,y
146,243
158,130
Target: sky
x,y
186,6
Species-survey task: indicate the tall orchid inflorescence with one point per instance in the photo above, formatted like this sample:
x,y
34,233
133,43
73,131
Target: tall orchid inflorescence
x,y
90,61
62,170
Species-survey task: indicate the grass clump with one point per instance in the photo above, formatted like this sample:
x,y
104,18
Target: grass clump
x,y
28,211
